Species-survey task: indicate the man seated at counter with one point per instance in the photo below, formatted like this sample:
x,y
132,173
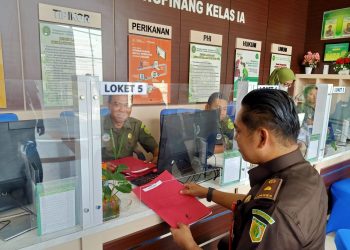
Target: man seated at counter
x,y
121,133
308,107
224,139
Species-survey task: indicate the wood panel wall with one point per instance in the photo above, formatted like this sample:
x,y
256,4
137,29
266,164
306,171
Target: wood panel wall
x,y
313,40
292,22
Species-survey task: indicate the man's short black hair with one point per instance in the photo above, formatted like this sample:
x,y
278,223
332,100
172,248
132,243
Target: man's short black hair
x,y
272,109
214,96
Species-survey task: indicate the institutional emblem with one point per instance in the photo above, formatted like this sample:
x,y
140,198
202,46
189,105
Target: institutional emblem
x,y
257,230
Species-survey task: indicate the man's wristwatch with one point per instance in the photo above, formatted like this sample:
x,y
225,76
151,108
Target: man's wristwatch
x,y
210,194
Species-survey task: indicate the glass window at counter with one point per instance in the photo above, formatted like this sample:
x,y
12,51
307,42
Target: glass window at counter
x,y
338,139
306,104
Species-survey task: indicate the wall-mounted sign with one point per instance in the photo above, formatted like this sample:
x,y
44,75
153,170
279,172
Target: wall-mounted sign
x,y
204,72
67,51
268,86
279,61
149,29
2,80
123,88
281,49
339,90
205,38
242,43
208,9
336,24
150,62
332,51
247,66
57,14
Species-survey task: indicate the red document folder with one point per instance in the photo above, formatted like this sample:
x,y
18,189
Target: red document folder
x,y
135,166
163,196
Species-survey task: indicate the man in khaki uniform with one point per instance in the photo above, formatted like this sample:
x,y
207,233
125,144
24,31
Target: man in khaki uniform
x,y
120,132
224,138
286,207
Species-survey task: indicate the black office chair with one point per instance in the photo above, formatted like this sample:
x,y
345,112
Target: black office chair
x,y
34,162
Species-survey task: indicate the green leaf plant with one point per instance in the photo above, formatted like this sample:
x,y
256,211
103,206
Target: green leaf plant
x,y
112,183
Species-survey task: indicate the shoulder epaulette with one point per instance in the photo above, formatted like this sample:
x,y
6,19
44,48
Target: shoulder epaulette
x,y
269,190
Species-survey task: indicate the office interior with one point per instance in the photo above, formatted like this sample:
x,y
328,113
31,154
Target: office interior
x,y
57,79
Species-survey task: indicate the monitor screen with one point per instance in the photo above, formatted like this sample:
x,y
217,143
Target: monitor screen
x,y
14,188
341,113
332,51
186,140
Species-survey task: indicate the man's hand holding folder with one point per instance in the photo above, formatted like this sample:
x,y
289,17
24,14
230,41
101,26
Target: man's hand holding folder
x,y
164,197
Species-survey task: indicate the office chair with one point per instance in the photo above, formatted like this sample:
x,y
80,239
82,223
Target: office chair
x,y
8,117
34,162
104,111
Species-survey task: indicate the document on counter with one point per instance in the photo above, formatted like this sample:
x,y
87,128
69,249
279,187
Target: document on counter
x,y
163,196
55,204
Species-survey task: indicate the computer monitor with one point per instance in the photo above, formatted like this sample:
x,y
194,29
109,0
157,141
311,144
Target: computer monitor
x,y
186,140
14,188
341,113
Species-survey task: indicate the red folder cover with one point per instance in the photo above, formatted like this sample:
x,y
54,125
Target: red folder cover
x,y
163,196
135,166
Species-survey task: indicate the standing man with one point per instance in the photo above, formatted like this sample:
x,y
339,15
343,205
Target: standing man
x,y
120,132
286,207
224,138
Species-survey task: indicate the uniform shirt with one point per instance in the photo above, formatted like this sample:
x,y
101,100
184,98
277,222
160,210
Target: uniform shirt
x,y
125,138
226,133
295,220
309,112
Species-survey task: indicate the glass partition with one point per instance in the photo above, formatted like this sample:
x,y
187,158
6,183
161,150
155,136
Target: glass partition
x,y
338,126
41,175
141,141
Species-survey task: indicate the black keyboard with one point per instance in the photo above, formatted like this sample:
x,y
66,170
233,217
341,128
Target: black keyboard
x,y
142,180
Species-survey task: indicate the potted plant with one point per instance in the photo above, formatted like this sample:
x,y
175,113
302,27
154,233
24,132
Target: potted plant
x,y
342,65
112,183
310,61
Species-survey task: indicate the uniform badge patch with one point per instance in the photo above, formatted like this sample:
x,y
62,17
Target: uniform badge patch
x,y
257,230
264,215
230,124
106,137
129,136
247,199
143,126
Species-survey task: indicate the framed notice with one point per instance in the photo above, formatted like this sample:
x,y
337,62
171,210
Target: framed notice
x,y
279,61
2,80
67,51
332,51
150,62
204,72
336,24
247,65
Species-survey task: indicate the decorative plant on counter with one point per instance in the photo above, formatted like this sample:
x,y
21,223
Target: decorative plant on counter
x,y
112,183
311,59
342,63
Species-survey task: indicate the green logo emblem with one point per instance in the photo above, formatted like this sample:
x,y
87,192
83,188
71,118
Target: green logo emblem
x,y
257,230
46,31
194,49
